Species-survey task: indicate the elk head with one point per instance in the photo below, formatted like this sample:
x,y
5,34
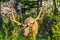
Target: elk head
x,y
32,27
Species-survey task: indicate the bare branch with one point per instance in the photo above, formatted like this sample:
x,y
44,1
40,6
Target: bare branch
x,y
39,14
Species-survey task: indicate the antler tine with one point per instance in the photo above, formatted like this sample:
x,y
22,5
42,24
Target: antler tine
x,y
39,14
14,20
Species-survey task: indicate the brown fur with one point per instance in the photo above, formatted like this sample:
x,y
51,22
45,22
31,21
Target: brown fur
x,y
34,27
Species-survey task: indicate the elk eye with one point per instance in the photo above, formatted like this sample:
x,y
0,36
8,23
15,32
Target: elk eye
x,y
26,26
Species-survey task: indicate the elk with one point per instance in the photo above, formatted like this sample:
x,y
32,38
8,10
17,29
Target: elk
x,y
30,25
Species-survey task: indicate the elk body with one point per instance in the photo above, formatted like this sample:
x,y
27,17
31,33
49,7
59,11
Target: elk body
x,y
32,27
